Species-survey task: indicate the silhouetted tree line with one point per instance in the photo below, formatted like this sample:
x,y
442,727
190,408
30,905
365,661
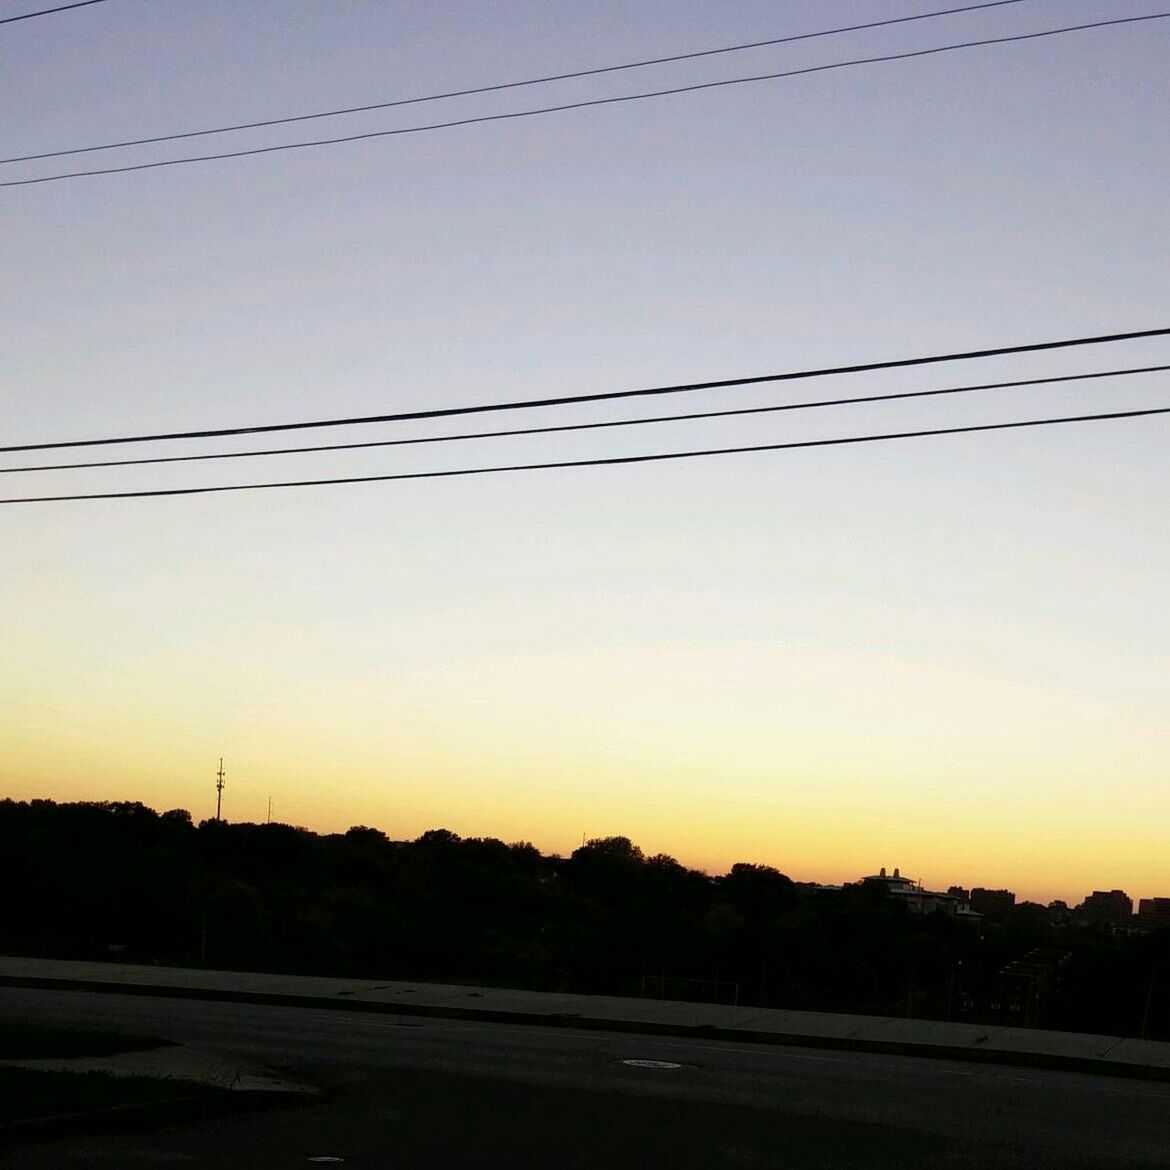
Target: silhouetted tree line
x,y
103,880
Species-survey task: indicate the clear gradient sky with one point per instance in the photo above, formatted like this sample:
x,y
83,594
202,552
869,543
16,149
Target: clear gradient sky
x,y
949,656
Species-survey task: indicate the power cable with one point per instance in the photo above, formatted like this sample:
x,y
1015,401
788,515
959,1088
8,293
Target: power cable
x,y
49,11
586,104
614,460
608,396
587,426
507,85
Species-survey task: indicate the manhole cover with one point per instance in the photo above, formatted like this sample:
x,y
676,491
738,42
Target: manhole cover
x,y
651,1064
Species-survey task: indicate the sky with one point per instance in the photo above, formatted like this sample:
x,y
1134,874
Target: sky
x,y
945,654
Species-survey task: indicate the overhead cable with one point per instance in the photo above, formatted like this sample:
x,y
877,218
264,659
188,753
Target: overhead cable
x,y
585,104
593,426
606,396
611,461
507,85
49,11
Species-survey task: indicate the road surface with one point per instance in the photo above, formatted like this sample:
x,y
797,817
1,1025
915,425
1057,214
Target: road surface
x,y
423,1092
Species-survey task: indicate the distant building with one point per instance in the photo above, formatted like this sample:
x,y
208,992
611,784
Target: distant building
x,y
919,901
1154,913
1107,906
960,893
992,902
895,883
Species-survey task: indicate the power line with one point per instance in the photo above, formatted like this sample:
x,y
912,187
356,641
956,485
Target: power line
x,y
507,85
608,396
589,426
586,104
614,460
50,11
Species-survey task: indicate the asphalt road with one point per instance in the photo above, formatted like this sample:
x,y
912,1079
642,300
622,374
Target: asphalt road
x,y
410,1092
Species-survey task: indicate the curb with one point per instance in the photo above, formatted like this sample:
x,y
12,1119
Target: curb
x,y
1084,1064
213,1103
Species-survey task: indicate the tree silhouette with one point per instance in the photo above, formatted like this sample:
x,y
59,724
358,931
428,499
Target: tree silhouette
x,y
116,879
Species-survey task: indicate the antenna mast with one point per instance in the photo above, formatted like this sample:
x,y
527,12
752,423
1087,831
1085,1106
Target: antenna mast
x,y
219,790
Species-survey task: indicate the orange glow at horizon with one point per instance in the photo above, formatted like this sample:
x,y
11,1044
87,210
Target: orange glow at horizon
x,y
802,818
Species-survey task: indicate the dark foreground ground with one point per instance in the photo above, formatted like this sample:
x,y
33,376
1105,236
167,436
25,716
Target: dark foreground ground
x,y
41,1101
435,1120
458,1094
